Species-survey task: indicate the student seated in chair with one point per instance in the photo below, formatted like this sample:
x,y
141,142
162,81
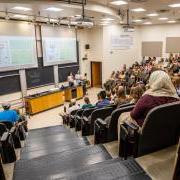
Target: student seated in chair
x,y
161,91
87,103
102,101
135,94
120,96
8,114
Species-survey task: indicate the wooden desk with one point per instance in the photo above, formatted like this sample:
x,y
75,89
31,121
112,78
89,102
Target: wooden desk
x,y
41,102
73,93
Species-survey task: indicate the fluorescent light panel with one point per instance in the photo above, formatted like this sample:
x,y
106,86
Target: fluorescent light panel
x,y
138,10
20,16
174,5
172,21
163,18
54,9
137,20
147,23
152,14
22,8
118,3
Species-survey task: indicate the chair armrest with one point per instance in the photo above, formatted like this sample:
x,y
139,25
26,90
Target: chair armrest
x,y
132,125
12,130
78,117
101,122
4,136
85,119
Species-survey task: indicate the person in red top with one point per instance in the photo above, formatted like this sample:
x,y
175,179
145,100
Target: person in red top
x,y
161,91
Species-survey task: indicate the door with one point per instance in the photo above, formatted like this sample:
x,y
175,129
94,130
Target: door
x,y
96,74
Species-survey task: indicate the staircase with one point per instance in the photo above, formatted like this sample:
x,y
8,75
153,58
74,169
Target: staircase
x,y
58,153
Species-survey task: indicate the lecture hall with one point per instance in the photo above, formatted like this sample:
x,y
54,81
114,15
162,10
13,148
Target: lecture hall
x,y
89,90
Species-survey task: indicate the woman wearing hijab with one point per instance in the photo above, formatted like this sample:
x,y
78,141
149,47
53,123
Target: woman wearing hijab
x,y
161,91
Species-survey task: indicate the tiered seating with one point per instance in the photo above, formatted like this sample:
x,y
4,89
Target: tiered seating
x,y
59,153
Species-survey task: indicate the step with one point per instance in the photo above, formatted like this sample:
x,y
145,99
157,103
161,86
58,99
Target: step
x,y
37,150
45,167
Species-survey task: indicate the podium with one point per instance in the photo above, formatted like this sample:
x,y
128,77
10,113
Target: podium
x,y
75,92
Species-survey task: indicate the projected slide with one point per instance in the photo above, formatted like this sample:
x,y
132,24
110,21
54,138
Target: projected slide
x,y
17,52
59,50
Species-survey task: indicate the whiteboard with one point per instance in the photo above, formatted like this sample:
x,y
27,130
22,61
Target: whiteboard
x,y
17,46
121,42
59,45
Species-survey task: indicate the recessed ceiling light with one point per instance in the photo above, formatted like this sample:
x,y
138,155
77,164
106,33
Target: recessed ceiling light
x,y
138,10
163,18
174,5
107,19
22,8
20,16
152,14
137,20
172,21
54,9
118,3
147,23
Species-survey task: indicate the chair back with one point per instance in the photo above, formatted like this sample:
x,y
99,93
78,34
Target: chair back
x,y
8,124
100,113
87,112
73,112
3,129
113,126
79,112
161,128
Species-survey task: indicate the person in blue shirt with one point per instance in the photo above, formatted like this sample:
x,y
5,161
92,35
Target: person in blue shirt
x,y
102,101
8,115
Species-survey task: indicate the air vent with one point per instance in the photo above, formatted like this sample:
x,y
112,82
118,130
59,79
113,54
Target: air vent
x,y
163,10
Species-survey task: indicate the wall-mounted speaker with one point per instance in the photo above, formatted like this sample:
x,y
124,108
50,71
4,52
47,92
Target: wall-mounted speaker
x,y
87,46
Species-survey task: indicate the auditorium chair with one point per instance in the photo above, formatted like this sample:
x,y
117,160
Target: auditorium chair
x,y
161,129
3,129
8,154
84,120
72,118
78,119
8,124
2,175
107,131
88,123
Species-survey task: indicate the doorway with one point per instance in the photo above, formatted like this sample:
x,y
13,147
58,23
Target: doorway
x,y
96,74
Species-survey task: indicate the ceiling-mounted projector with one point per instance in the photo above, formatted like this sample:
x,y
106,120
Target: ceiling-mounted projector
x,y
128,28
83,22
